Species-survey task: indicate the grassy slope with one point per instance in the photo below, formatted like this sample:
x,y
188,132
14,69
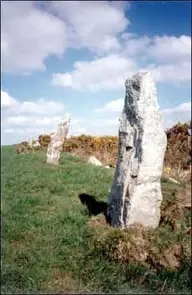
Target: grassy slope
x,y
47,243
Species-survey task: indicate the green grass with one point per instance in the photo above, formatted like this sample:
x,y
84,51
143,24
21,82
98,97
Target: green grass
x,y
47,245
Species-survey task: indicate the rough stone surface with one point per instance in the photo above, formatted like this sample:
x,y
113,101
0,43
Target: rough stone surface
x,y
94,161
57,141
135,195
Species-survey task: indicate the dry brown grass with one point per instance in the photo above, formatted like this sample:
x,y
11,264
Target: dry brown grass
x,y
167,247
172,212
184,196
24,241
179,174
152,249
61,282
183,176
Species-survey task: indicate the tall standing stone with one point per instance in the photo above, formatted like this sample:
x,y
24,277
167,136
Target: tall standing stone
x,y
57,140
135,195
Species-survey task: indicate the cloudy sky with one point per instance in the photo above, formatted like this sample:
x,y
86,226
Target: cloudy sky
x,y
74,56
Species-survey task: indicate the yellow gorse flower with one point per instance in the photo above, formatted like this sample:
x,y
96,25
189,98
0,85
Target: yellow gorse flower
x,y
167,170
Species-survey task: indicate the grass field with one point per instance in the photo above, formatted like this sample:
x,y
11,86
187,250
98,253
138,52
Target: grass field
x,y
47,240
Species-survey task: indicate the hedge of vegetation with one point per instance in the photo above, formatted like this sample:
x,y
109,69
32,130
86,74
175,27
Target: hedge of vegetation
x,y
105,148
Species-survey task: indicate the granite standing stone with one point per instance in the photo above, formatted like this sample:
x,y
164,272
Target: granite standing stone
x,y
135,195
57,140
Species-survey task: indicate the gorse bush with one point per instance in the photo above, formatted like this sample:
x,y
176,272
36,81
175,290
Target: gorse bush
x,y
178,152
105,148
92,143
44,140
23,148
25,143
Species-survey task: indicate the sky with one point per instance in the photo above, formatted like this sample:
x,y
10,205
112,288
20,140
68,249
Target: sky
x,y
73,57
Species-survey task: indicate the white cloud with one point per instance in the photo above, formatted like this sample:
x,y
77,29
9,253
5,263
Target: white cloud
x,y
168,58
36,125
84,29
170,73
180,113
171,49
165,49
106,122
29,117
23,131
16,128
31,121
7,101
96,127
112,106
12,130
180,109
103,73
134,45
24,120
28,36
77,131
171,57
38,107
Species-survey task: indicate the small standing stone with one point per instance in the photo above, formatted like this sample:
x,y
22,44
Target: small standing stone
x,y
135,195
93,160
57,140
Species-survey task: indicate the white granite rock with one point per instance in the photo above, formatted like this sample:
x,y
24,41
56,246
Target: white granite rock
x,y
135,195
173,180
94,161
57,140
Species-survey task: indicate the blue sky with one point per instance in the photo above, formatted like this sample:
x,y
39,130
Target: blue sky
x,y
74,56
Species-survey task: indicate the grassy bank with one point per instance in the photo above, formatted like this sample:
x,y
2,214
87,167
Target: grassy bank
x,y
49,244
